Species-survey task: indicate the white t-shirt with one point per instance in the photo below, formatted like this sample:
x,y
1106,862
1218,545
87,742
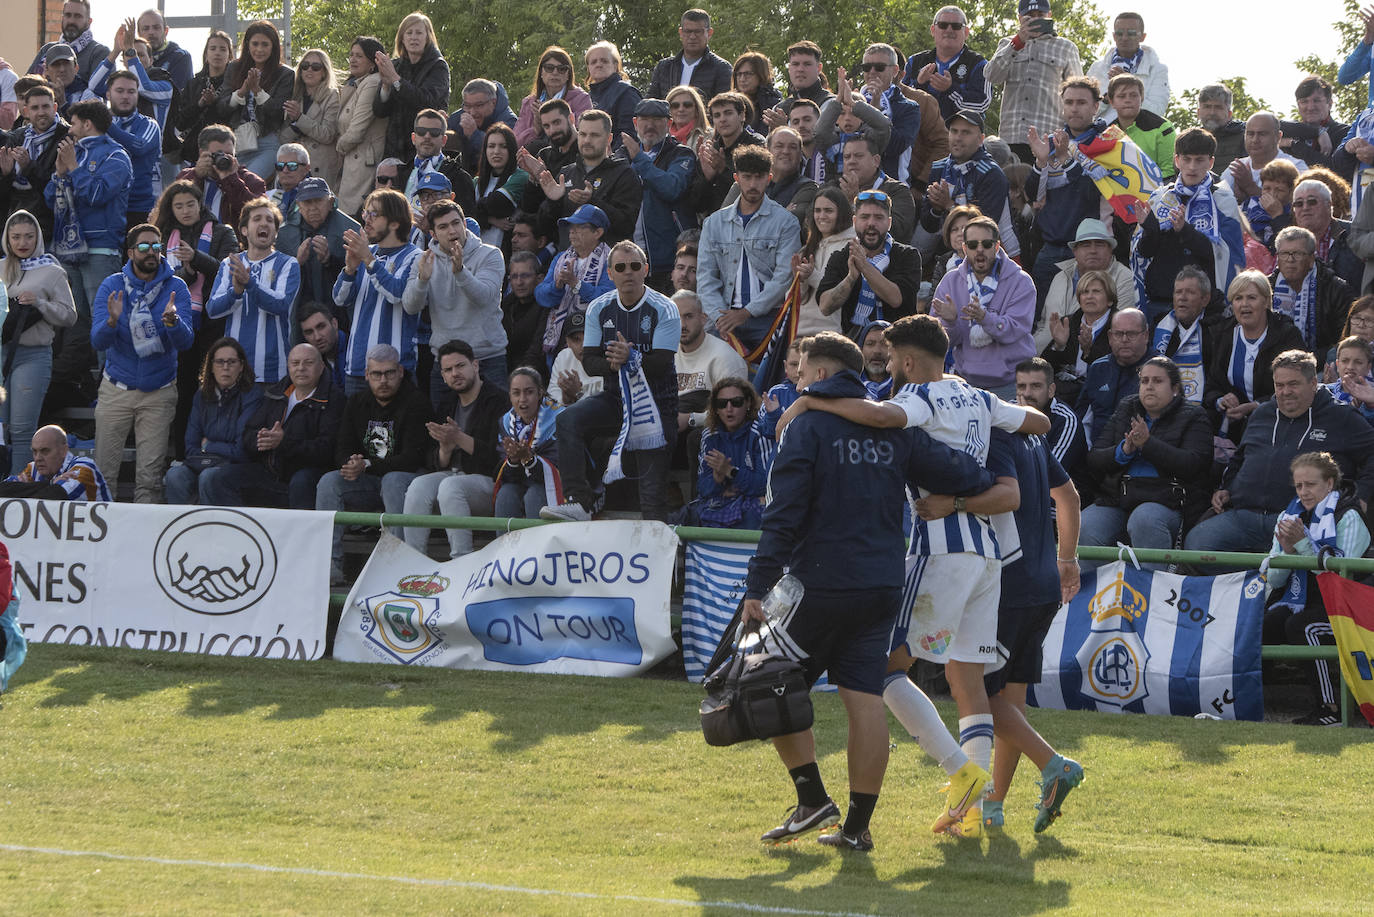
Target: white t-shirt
x,y
565,361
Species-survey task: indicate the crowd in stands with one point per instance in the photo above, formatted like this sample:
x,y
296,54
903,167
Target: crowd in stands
x,y
331,284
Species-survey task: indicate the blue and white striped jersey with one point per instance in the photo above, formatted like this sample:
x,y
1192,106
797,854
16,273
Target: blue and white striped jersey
x,y
260,318
374,296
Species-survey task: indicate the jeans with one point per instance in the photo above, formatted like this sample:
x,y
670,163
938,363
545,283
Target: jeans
x,y
27,384
366,493
179,485
149,414
262,162
1149,525
1233,530
521,500
449,493
491,371
85,279
353,385
599,414
251,484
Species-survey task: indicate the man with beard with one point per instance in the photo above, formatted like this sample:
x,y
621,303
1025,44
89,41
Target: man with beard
x,y
428,134
167,55
320,329
802,119
788,183
877,378
951,71
313,233
744,262
593,178
863,171
377,266
1214,114
666,168
226,184
142,317
142,140
969,175
555,124
255,290
29,156
874,277
76,33
685,269
1067,440
702,360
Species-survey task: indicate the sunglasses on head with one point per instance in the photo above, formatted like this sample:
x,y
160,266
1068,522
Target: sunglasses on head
x,y
880,196
429,132
385,179
976,244
621,267
946,26
311,65
738,401
290,166
871,66
144,247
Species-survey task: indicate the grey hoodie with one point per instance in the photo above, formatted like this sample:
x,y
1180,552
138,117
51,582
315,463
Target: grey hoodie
x,y
466,307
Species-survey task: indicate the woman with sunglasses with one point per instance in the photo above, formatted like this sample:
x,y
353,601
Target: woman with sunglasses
x,y
40,302
609,89
256,87
829,227
222,404
734,461
312,115
554,78
198,105
687,117
753,76
500,184
195,243
362,135
527,480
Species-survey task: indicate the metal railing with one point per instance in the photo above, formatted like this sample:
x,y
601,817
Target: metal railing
x,y
1344,565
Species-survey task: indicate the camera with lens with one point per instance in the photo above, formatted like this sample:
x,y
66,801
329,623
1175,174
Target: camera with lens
x,y
221,161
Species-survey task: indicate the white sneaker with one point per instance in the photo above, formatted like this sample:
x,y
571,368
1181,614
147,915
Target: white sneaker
x,y
571,511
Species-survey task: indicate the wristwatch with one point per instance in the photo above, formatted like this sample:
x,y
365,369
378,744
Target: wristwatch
x,y
960,505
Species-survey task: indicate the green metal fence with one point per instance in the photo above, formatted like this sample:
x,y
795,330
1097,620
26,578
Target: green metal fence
x,y
1345,565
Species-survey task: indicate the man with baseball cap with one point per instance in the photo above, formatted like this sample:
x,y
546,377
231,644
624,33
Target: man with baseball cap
x,y
314,233
665,167
1029,66
432,187
968,175
61,70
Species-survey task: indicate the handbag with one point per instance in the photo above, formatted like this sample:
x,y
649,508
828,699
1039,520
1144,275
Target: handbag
x,y
755,694
246,137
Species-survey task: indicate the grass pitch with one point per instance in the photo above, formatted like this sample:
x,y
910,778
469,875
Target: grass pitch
x,y
151,783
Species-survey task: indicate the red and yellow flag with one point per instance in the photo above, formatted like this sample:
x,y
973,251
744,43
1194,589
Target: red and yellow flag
x,y
1350,607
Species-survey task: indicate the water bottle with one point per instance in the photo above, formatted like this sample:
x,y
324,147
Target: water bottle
x,y
785,595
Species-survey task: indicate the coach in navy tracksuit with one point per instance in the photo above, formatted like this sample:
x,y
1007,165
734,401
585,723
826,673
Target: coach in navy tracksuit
x,y
835,520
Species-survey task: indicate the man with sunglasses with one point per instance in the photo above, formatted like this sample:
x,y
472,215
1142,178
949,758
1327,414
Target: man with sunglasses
x,y
429,135
226,184
951,71
631,339
695,65
142,317
293,167
874,278
880,89
1129,55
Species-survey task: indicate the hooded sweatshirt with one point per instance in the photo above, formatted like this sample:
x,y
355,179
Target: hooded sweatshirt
x,y
465,306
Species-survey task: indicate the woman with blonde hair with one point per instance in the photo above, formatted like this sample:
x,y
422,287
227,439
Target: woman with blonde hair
x,y
416,78
609,89
312,115
554,78
687,120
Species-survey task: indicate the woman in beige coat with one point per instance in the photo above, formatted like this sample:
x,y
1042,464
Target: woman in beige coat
x,y
362,135
312,115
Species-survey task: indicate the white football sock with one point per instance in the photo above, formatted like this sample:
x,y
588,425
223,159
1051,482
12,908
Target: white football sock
x,y
919,717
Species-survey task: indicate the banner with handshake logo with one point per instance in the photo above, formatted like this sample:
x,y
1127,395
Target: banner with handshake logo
x,y
227,582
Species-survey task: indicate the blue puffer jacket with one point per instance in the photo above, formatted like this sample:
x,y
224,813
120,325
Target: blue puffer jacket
x,y
100,183
667,208
220,422
835,511
122,362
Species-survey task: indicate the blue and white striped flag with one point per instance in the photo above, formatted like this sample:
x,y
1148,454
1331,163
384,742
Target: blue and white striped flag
x,y
1135,641
712,591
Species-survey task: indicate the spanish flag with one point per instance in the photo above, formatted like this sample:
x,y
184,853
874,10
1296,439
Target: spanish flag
x,y
1350,607
1122,172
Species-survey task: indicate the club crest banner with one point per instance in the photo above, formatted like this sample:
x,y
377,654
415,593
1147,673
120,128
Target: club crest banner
x,y
1135,641
221,581
589,598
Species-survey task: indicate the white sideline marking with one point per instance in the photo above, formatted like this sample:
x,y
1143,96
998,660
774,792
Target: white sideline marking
x,y
438,883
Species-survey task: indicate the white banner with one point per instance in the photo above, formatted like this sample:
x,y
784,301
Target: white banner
x,y
586,598
225,582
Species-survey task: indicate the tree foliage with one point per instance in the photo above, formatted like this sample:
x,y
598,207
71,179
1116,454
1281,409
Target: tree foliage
x,y
1183,107
1348,101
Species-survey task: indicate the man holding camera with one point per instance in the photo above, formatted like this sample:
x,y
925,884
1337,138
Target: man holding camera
x,y
227,185
1029,66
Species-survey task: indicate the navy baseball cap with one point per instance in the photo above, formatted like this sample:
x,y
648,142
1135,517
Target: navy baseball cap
x,y
1032,6
312,189
587,214
966,114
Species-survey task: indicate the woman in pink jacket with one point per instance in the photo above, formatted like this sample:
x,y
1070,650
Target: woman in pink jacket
x,y
554,78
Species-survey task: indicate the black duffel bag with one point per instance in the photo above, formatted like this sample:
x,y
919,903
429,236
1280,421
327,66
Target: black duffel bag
x,y
755,694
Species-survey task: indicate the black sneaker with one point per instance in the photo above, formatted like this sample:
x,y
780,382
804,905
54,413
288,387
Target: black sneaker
x,y
1322,716
801,819
863,842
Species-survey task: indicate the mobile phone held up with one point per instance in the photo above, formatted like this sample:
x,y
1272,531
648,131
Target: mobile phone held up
x,y
1042,27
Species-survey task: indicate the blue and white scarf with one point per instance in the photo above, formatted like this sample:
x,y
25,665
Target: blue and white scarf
x,y
213,196
571,300
1199,209
69,242
1129,64
79,43
34,144
878,391
1364,175
144,327
37,261
423,165
1187,356
983,291
1300,306
640,426
868,307
535,434
1321,530
1243,356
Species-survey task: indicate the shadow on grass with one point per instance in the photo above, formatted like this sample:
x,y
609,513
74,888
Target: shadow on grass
x,y
524,708
969,875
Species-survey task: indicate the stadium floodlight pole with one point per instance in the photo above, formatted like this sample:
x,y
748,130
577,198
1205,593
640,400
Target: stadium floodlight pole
x,y
224,14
